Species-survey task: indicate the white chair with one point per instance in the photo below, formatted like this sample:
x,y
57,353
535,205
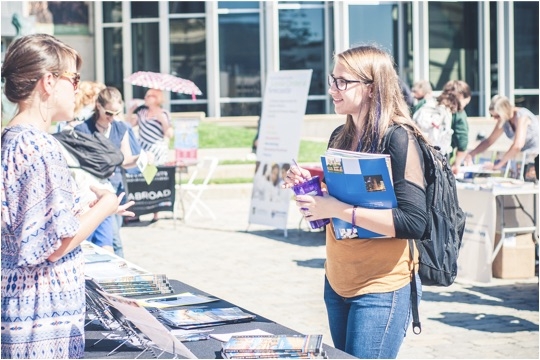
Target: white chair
x,y
193,190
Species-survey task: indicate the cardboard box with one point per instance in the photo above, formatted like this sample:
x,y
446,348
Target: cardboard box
x,y
516,258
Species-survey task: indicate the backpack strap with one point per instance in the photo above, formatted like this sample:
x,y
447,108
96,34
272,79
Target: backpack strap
x,y
416,325
387,136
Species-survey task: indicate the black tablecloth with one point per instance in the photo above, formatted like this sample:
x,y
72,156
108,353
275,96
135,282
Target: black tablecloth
x,y
204,349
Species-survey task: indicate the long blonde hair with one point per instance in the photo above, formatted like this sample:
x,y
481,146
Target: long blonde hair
x,y
502,106
374,66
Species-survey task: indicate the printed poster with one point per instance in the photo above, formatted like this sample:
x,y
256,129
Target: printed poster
x,y
186,140
284,107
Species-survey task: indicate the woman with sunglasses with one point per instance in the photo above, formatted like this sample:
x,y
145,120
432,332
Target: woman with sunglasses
x,y
368,281
43,289
109,106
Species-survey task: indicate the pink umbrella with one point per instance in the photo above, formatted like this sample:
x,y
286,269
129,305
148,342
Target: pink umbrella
x,y
162,81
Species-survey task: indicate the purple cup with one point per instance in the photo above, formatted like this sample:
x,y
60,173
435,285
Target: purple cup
x,y
311,187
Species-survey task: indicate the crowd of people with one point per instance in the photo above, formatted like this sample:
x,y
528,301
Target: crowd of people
x,y
367,289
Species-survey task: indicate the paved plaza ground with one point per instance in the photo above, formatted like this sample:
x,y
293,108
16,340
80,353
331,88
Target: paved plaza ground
x,y
281,278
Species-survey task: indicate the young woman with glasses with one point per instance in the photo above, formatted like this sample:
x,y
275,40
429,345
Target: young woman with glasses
x,y
43,289
368,281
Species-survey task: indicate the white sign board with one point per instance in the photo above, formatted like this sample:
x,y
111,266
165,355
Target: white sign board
x,y
284,107
474,261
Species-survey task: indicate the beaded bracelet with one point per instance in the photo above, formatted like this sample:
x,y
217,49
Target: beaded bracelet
x,y
353,222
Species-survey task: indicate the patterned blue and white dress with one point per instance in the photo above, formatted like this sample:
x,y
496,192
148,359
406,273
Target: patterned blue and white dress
x,y
43,302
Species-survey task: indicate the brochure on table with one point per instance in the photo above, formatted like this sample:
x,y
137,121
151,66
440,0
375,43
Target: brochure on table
x,y
284,106
361,179
149,325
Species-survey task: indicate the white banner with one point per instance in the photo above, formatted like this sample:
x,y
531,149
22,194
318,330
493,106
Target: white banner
x,y
474,261
284,107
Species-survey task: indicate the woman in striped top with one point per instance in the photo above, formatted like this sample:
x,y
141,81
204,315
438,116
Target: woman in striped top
x,y
155,128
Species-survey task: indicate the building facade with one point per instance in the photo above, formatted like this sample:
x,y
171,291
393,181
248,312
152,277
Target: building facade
x,y
227,48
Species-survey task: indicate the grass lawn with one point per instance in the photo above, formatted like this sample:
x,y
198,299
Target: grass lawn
x,y
213,136
219,136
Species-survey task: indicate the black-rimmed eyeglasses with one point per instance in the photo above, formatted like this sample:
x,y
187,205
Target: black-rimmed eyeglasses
x,y
341,84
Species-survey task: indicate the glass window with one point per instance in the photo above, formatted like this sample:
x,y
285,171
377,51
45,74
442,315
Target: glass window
x,y
239,61
371,24
526,45
189,107
453,46
238,4
113,57
112,11
188,53
144,9
493,49
70,17
145,47
527,101
301,44
316,107
408,60
186,7
300,3
241,109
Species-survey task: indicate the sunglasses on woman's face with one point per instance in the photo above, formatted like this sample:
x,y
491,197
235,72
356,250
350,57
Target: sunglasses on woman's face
x,y
73,78
112,113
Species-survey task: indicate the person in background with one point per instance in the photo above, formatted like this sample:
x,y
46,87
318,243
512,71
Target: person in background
x,y
518,124
421,91
368,281
438,129
108,106
43,288
155,128
460,138
85,100
407,93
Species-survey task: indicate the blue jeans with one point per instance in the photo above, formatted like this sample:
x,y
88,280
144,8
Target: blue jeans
x,y
103,235
370,326
116,240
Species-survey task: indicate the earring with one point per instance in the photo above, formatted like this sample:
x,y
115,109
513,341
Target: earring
x,y
47,107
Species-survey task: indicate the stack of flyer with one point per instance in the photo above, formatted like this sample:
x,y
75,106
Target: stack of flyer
x,y
203,317
118,276
145,284
273,346
361,179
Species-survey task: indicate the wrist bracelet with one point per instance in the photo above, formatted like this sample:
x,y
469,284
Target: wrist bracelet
x,y
353,222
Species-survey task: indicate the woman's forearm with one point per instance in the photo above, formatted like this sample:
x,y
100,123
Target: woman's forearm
x,y
89,221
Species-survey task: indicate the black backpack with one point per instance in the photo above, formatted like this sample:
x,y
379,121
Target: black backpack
x,y
95,153
439,246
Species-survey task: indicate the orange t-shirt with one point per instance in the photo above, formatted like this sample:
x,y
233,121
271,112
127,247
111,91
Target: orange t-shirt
x,y
361,266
